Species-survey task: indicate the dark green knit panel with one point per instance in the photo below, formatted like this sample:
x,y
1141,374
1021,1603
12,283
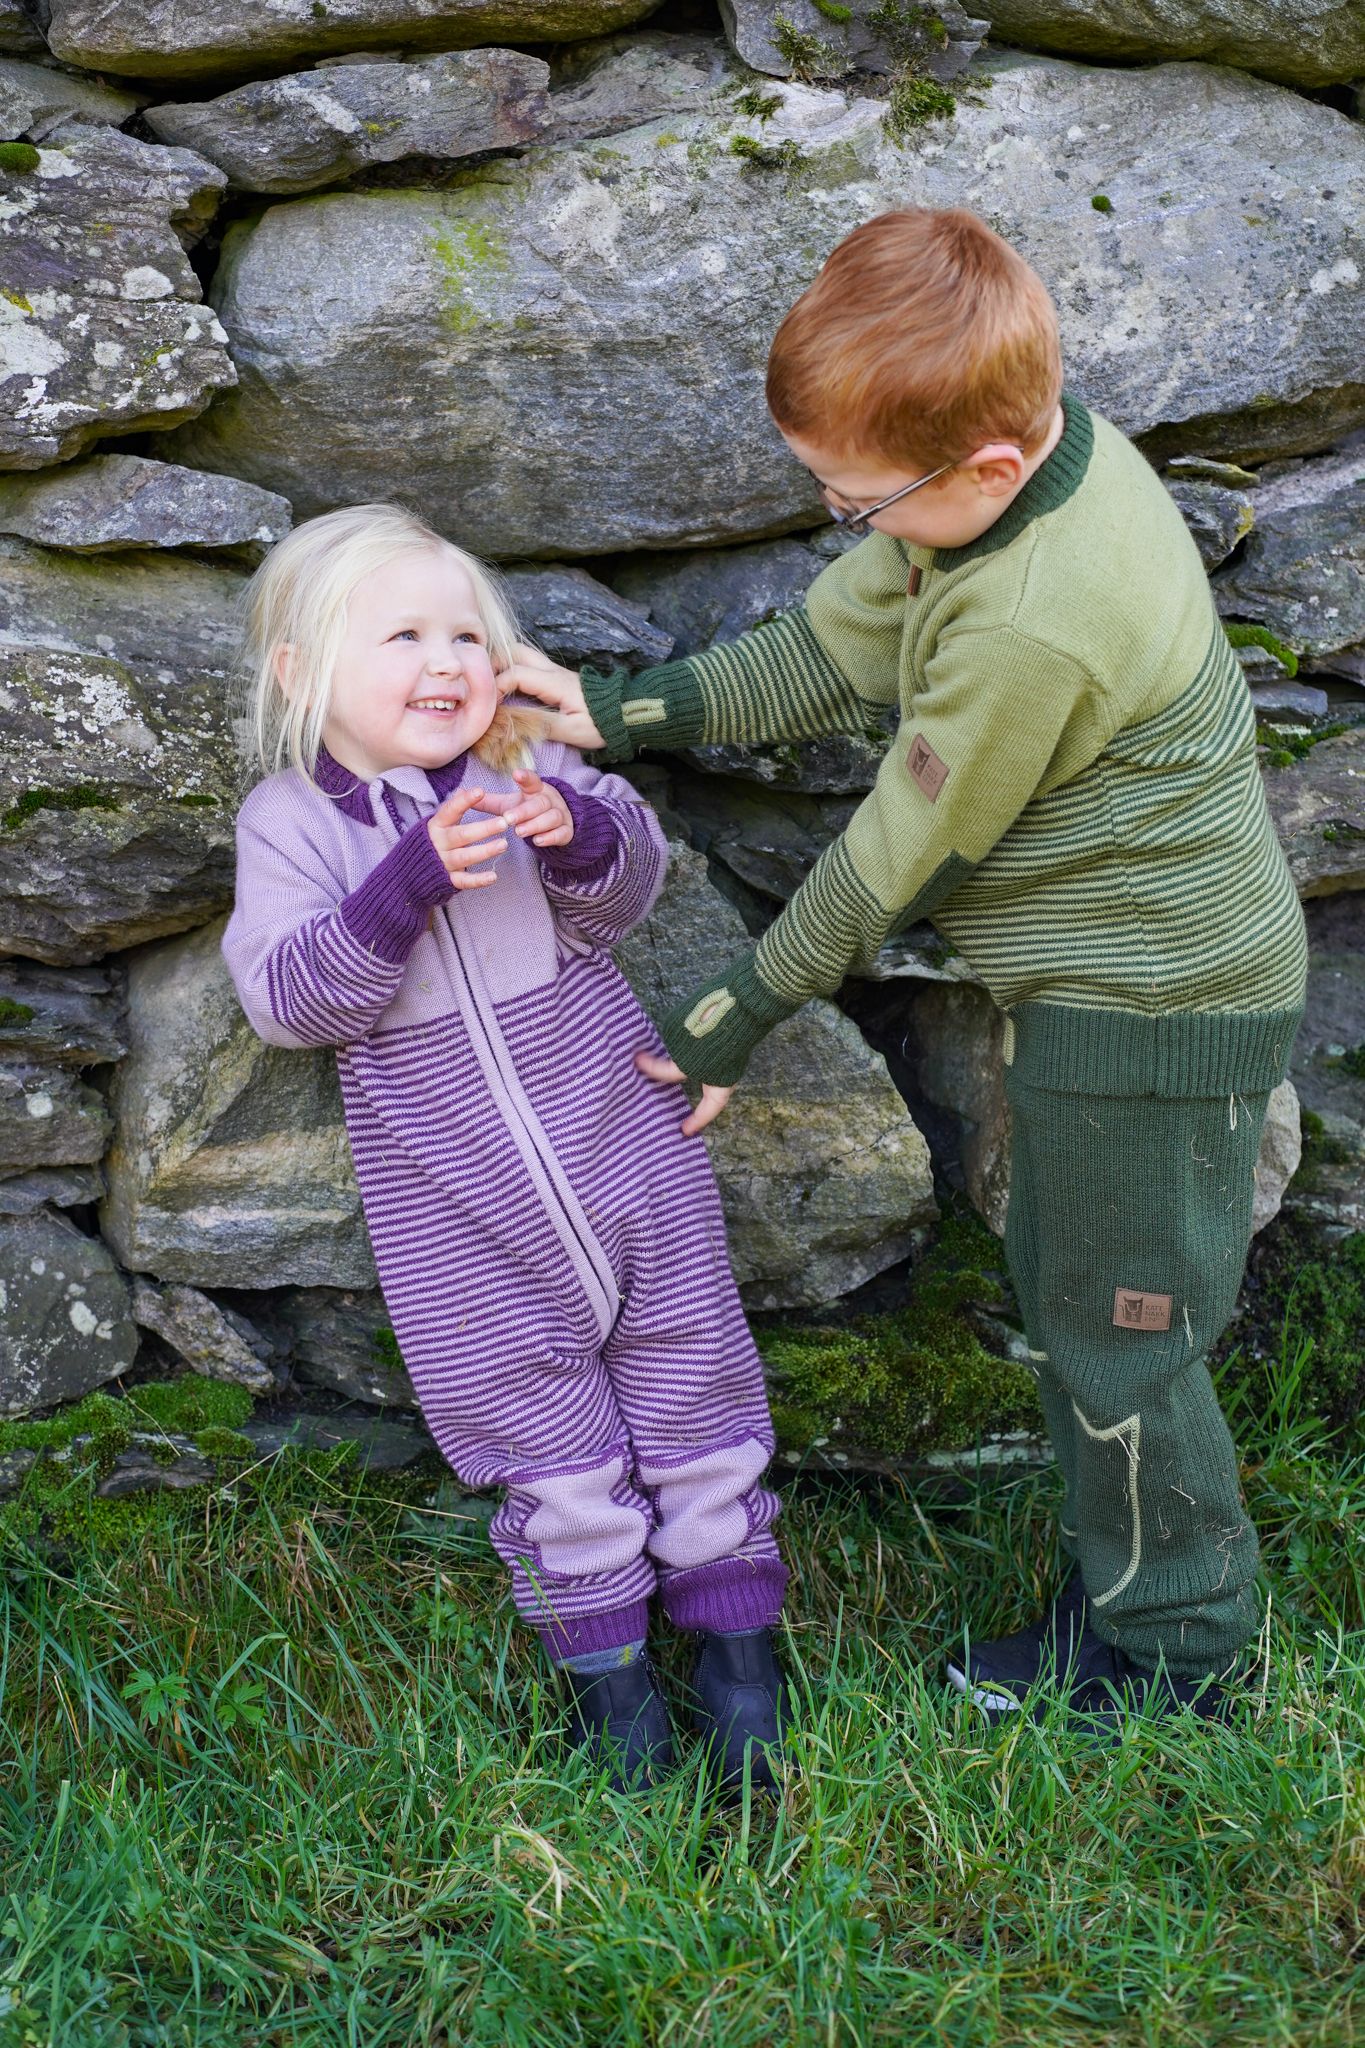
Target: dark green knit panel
x,y
1136,1207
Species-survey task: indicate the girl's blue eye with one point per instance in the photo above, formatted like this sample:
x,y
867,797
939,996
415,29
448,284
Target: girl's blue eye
x,y
472,638
408,633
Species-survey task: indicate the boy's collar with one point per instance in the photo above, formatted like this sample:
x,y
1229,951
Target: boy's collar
x,y
352,796
1051,484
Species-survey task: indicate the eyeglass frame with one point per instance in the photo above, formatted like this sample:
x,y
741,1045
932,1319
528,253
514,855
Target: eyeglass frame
x,y
859,523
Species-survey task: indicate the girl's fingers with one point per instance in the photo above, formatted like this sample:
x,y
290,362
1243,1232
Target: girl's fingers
x,y
713,1101
455,806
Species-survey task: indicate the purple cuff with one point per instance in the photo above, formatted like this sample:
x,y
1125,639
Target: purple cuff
x,y
610,1631
596,840
390,910
733,1594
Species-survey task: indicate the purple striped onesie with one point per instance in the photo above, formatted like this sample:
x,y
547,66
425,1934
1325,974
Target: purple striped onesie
x,y
551,1248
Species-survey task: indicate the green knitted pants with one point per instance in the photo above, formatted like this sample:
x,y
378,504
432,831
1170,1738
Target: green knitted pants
x,y
1129,1221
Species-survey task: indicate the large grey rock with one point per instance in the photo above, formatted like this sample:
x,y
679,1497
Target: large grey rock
x,y
823,1173
380,1446
1302,571
50,1187
102,328
1280,1153
201,1335
1218,516
160,39
113,502
657,267
35,100
64,1321
67,1016
1328,1070
19,30
576,619
770,840
168,618
802,39
48,1118
616,82
1318,42
116,806
312,128
229,1165
340,1339
1318,806
703,596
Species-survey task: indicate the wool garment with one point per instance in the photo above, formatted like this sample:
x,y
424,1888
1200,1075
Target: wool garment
x,y
551,1248
1072,794
1127,1234
1072,797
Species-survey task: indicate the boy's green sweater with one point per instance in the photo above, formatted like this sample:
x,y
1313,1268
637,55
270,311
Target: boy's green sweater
x,y
1072,794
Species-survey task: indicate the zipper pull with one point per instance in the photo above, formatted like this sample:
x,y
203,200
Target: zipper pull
x,y
913,583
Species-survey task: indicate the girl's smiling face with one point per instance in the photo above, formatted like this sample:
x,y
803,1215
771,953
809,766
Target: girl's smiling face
x,y
413,685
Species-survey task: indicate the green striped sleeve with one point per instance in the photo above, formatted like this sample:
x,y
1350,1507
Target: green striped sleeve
x,y
775,683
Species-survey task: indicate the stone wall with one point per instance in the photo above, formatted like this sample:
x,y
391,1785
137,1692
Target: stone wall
x,y
517,263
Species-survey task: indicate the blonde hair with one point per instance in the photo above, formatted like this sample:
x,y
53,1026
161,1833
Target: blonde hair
x,y
298,599
924,337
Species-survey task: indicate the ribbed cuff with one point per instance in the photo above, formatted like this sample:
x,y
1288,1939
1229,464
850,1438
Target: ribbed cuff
x,y
661,707
596,840
609,1631
1122,1052
712,1032
388,913
733,1594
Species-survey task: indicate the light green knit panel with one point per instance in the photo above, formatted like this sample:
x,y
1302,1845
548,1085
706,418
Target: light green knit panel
x,y
1153,881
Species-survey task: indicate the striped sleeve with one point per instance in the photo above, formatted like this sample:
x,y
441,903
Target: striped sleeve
x,y
775,683
314,969
604,897
960,772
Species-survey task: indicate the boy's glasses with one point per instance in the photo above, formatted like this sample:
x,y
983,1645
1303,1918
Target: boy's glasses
x,y
859,521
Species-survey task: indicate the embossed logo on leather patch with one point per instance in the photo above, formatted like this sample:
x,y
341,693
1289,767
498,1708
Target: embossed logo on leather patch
x,y
1134,1310
926,768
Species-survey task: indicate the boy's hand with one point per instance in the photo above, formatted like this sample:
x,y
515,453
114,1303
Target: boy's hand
x,y
535,675
462,847
539,814
713,1099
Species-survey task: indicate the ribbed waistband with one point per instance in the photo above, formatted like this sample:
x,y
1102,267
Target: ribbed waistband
x,y
1122,1052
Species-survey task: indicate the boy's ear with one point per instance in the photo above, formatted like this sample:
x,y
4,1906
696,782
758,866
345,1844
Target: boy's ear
x,y
998,468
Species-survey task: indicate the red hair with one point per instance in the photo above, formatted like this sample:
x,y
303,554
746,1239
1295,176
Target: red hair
x,y
924,337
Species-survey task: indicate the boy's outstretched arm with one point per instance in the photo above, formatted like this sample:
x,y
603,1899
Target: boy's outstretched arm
x,y
961,769
776,682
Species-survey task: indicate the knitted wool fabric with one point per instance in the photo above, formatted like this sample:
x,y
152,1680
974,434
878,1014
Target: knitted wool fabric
x,y
1072,794
1127,1235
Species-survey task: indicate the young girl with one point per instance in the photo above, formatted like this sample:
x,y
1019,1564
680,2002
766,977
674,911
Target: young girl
x,y
548,1234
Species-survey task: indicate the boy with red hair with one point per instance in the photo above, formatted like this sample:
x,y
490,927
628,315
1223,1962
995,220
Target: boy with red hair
x,y
1073,797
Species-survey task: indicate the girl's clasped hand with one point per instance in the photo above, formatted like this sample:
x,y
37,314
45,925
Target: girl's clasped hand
x,y
540,814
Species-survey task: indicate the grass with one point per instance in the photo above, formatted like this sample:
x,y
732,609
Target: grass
x,y
275,1768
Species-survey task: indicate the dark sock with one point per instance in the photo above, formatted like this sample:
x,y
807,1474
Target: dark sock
x,y
592,1663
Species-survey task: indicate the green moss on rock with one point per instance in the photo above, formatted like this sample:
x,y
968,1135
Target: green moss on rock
x,y
1261,636
19,158
15,1015
461,249
913,102
82,798
906,1384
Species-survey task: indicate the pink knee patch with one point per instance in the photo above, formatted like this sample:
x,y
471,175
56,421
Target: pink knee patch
x,y
703,1506
576,1525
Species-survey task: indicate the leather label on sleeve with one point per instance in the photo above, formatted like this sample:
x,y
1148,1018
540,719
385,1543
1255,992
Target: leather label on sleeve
x,y
926,768
1134,1310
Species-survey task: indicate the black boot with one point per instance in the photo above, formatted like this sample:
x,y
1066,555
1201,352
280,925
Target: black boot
x,y
1062,1653
1016,1662
619,1718
741,1708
